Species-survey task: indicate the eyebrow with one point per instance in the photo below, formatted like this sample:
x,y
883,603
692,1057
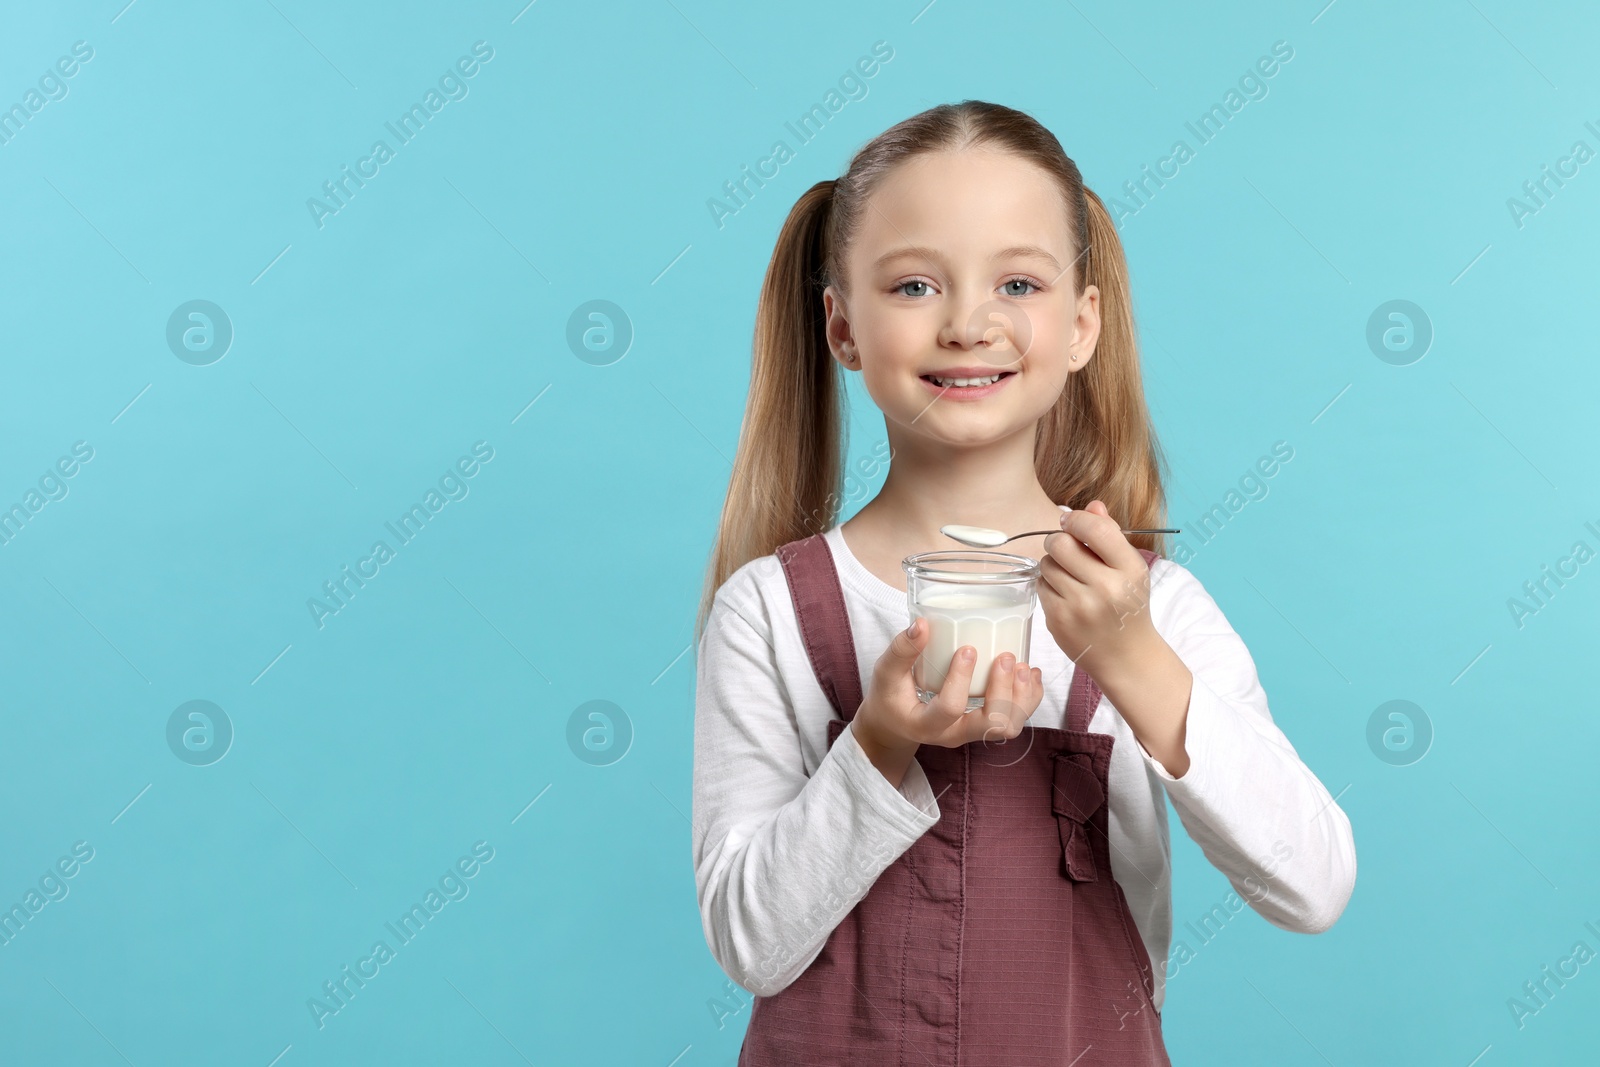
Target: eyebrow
x,y
923,252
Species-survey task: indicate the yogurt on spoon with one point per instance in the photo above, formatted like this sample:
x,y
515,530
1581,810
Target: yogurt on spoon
x,y
981,536
976,536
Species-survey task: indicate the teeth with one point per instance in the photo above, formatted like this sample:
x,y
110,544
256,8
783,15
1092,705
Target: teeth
x,y
961,382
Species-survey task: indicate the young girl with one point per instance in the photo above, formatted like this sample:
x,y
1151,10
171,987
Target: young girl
x,y
903,882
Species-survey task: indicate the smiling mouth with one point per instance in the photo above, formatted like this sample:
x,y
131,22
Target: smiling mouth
x,y
962,383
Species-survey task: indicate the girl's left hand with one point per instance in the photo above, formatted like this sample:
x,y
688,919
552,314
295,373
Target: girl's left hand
x,y
1096,598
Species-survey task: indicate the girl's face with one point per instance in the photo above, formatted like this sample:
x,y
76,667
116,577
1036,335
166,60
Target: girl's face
x,y
962,268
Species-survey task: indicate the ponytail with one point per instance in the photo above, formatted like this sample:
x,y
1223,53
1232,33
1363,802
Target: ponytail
x,y
786,474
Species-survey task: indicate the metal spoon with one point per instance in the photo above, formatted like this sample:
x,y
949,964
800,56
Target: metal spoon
x,y
981,537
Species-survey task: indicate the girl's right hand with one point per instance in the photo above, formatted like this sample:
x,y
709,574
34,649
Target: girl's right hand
x,y
891,722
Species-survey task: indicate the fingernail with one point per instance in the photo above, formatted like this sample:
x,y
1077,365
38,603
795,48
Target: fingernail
x,y
969,654
911,631
1066,513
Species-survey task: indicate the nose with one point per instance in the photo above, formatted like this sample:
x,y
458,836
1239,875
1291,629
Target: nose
x,y
998,331
967,326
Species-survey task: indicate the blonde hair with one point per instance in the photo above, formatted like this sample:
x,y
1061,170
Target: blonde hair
x,y
1095,443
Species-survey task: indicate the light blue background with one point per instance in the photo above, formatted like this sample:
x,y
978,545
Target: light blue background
x,y
427,314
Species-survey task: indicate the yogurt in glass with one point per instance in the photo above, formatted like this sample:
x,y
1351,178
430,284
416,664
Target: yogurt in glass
x,y
970,597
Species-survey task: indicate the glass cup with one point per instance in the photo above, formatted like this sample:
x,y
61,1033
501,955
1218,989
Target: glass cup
x,y
970,597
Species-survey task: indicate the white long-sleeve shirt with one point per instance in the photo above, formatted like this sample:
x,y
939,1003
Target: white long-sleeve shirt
x,y
790,834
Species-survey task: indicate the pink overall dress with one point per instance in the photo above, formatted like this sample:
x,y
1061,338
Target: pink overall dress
x,y
1000,938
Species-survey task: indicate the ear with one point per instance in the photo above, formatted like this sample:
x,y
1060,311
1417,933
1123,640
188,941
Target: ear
x,y
841,341
1085,328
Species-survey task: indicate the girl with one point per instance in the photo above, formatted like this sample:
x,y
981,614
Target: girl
x,y
902,882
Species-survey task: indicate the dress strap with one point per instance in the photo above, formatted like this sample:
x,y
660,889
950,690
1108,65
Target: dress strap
x,y
1084,695
824,621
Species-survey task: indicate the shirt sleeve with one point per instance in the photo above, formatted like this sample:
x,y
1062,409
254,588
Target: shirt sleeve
x,y
1256,810
781,857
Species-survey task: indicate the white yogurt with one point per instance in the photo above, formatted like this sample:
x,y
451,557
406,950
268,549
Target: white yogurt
x,y
977,536
993,621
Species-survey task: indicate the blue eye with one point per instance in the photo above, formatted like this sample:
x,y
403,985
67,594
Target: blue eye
x,y
1033,286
